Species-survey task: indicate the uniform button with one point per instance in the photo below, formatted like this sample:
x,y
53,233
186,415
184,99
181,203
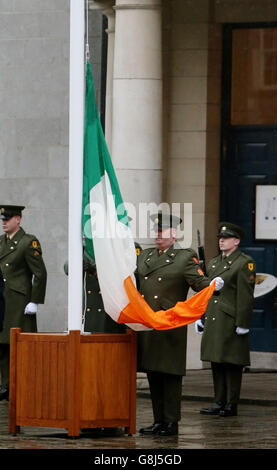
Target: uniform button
x,y
159,279
100,310
206,318
213,318
7,264
88,309
168,261
213,266
89,291
148,259
4,280
146,277
12,247
155,296
142,295
215,301
225,267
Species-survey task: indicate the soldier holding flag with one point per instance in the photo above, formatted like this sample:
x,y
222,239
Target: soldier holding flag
x,y
165,274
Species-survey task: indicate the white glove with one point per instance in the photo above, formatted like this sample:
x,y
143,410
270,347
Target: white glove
x,y
198,325
241,331
31,308
219,283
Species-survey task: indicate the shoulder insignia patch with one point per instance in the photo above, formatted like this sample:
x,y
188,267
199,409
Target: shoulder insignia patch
x,y
36,253
138,251
195,260
250,266
35,244
199,270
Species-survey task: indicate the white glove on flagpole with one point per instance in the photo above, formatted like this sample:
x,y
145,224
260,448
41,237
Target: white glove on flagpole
x,y
219,283
31,309
241,331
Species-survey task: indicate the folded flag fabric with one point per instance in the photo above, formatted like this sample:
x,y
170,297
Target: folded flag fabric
x,y
181,314
108,239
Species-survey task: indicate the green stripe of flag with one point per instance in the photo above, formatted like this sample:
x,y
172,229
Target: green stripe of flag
x,y
96,161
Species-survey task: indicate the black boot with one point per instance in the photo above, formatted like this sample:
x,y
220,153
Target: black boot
x,y
153,429
214,409
229,410
4,392
169,429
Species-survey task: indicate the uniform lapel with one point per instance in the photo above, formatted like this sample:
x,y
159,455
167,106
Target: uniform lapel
x,y
219,265
9,246
155,261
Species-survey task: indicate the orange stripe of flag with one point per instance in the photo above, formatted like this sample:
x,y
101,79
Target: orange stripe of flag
x,y
183,313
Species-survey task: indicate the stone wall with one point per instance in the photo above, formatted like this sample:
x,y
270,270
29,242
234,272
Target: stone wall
x,y
34,121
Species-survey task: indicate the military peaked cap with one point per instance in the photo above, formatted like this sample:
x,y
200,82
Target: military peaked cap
x,y
227,230
163,220
7,212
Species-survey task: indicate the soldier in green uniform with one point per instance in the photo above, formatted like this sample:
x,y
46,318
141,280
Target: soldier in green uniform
x,y
96,320
2,301
227,319
165,274
25,277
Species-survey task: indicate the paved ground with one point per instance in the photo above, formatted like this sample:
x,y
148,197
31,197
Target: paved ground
x,y
254,428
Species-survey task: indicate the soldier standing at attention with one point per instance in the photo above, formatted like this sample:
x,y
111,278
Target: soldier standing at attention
x,y
25,277
165,274
227,319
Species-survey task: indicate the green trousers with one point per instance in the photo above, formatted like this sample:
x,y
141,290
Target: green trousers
x,y
5,364
227,382
166,393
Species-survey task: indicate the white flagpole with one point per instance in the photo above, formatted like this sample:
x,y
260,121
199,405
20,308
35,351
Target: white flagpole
x,y
76,128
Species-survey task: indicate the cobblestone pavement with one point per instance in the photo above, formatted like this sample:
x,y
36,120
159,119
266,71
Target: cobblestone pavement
x,y
255,427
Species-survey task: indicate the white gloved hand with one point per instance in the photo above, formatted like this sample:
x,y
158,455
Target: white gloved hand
x,y
219,283
31,308
241,331
198,325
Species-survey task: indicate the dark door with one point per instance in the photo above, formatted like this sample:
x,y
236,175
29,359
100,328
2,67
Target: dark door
x,y
249,154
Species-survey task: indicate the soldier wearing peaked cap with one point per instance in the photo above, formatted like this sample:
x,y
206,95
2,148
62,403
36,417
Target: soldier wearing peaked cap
x,y
96,320
164,275
24,276
227,320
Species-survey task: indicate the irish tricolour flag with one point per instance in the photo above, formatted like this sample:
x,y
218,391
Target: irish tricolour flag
x,y
108,239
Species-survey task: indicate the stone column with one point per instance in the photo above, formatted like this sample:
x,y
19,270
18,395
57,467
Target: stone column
x,y
106,8
137,100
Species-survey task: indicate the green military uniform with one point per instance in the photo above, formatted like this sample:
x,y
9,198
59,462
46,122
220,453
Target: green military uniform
x,y
227,350
25,277
96,320
164,279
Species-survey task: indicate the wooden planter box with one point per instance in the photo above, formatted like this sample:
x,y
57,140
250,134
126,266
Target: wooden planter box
x,y
72,381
